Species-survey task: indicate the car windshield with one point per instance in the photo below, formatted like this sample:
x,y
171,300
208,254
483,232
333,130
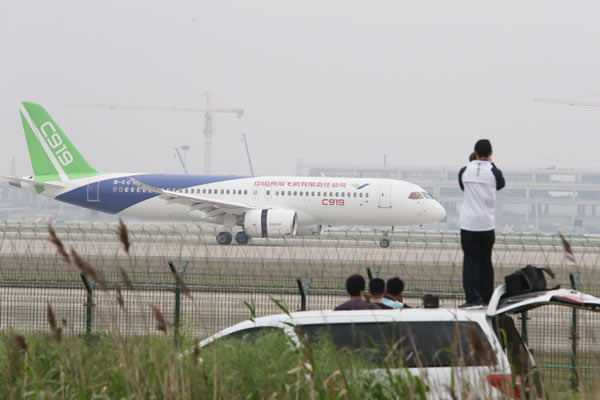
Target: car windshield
x,y
409,344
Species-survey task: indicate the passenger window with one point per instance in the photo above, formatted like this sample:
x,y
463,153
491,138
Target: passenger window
x,y
360,194
367,194
343,194
319,194
245,192
330,194
268,192
411,344
121,189
126,189
301,193
295,193
313,194
203,191
114,188
222,191
415,196
227,191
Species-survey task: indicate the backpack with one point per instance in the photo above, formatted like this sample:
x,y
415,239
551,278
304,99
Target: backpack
x,y
526,280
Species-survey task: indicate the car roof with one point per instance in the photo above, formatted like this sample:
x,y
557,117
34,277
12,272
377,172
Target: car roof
x,y
354,316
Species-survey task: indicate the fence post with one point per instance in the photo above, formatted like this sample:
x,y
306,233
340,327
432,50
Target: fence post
x,y
303,291
178,296
575,378
89,315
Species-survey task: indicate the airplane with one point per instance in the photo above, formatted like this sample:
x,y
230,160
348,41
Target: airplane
x,y
265,206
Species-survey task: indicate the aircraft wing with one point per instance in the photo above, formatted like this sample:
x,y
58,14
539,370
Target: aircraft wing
x,y
17,182
211,207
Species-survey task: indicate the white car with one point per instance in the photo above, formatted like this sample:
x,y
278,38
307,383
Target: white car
x,y
457,352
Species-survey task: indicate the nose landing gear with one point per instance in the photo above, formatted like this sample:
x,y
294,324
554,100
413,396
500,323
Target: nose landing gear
x,y
385,242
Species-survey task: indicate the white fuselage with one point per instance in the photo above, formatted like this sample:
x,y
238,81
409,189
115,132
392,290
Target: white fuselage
x,y
316,200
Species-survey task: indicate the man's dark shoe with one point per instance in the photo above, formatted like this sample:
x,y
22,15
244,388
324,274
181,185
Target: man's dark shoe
x,y
477,304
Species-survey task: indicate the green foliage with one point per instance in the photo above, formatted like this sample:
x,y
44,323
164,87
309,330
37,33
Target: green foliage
x,y
151,367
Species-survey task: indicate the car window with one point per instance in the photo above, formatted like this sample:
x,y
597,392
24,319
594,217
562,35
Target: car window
x,y
413,344
250,335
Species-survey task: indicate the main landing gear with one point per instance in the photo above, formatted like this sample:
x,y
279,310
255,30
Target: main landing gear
x,y
242,237
226,238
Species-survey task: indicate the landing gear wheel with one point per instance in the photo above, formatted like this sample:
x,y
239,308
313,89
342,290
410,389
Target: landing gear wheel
x,y
384,243
242,238
224,238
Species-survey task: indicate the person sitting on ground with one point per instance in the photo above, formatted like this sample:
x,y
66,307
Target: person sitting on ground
x,y
393,293
377,289
355,285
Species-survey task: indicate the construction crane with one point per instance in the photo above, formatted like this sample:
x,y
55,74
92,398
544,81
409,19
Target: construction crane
x,y
208,119
576,101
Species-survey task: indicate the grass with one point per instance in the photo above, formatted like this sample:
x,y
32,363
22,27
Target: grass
x,y
109,367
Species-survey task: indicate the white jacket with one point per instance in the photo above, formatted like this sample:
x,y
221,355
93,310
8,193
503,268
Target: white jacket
x,y
480,180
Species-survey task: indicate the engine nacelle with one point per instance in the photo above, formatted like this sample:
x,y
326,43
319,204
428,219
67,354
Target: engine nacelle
x,y
309,230
270,222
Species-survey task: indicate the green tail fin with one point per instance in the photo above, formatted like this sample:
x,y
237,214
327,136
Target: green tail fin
x,y
53,156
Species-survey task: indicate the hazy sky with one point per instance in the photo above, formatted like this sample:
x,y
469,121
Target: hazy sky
x,y
326,82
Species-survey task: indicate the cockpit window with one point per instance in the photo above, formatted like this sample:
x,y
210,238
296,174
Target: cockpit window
x,y
427,195
415,196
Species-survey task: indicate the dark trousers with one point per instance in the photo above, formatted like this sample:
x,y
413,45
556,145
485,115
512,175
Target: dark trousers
x,y
478,272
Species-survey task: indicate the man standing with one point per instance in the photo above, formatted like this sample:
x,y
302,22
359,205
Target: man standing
x,y
480,180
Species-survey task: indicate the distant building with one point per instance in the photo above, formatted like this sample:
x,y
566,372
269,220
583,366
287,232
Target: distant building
x,y
535,200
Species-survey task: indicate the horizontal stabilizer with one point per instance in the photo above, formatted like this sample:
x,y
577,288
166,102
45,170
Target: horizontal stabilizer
x,y
17,182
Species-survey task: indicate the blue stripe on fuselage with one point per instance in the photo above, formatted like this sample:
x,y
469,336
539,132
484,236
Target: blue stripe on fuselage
x,y
114,202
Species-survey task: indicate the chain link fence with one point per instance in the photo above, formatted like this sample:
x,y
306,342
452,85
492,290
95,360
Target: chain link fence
x,y
220,279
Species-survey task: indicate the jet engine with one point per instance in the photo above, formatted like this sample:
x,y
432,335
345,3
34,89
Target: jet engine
x,y
270,222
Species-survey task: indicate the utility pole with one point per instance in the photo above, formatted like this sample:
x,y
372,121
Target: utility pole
x,y
182,159
247,153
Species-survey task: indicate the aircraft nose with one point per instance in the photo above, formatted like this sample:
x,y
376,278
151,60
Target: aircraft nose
x,y
435,212
439,211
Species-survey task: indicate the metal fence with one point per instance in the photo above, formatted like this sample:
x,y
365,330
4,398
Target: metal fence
x,y
221,278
